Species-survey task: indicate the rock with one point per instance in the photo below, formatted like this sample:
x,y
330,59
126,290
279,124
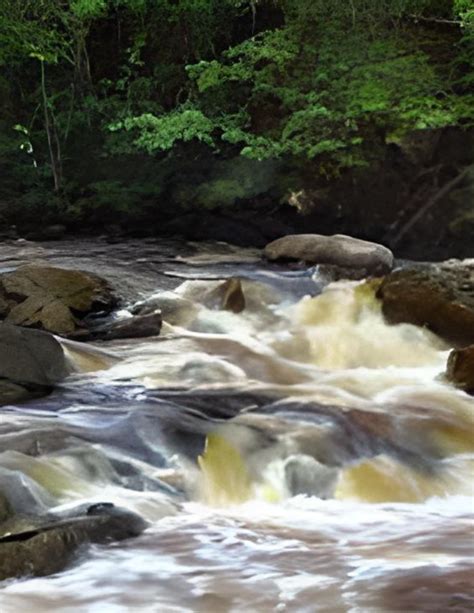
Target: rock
x,y
228,296
31,357
4,307
460,368
330,273
174,309
440,298
12,393
22,494
5,508
339,250
50,298
139,326
305,475
49,233
48,548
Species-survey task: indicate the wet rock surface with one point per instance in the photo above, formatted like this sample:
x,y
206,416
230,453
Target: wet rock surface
x,y
440,298
31,363
138,326
229,296
339,250
133,268
460,368
51,543
12,392
52,298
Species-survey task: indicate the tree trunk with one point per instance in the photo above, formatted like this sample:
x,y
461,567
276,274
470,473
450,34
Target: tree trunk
x,y
50,133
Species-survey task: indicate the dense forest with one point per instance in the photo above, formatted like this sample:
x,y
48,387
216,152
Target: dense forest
x,y
240,118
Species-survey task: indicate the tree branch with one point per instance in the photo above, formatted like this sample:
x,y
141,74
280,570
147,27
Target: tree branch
x,y
430,204
451,22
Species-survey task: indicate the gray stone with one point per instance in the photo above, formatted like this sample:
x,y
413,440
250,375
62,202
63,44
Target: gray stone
x,y
31,356
22,494
139,326
339,250
305,475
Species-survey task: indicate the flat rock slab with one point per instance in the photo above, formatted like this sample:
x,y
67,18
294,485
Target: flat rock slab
x,y
31,356
339,250
49,298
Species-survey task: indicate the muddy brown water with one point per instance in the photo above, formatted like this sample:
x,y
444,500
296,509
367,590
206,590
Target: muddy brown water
x,y
300,455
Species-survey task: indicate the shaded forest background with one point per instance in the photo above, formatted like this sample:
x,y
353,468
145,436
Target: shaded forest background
x,y
241,120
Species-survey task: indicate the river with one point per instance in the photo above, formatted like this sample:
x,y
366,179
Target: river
x,y
292,452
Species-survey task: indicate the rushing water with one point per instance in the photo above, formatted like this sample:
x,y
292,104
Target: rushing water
x,y
341,482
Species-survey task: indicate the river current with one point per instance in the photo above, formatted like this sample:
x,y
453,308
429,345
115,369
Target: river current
x,y
291,450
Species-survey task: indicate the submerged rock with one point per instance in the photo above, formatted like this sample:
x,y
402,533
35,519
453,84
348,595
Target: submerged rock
x,y
50,546
460,368
11,392
339,250
138,326
305,475
228,296
51,298
439,298
22,495
174,309
31,363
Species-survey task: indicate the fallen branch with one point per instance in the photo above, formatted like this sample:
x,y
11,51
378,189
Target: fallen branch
x,y
429,205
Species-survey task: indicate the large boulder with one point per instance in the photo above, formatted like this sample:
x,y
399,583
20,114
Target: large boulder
x,y
31,363
51,298
440,298
460,368
5,508
31,356
50,546
339,250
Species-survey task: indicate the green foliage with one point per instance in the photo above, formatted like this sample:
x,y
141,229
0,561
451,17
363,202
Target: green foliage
x,y
337,82
88,9
164,131
322,84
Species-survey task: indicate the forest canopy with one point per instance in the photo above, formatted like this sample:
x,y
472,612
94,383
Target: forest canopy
x,y
116,101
